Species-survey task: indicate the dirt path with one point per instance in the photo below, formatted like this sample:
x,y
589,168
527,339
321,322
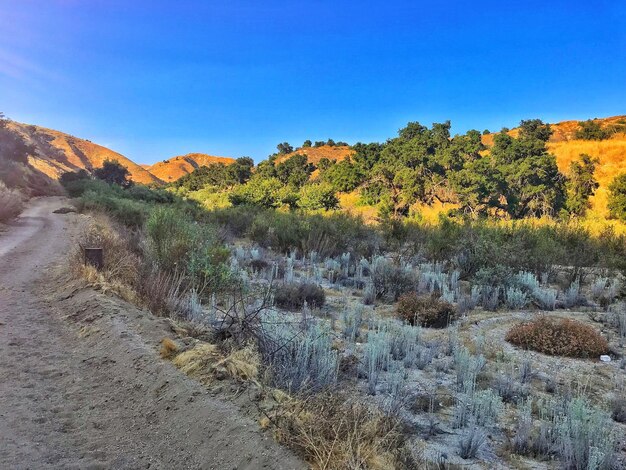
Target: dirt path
x,y
81,385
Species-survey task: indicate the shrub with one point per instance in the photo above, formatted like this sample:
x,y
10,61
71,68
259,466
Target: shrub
x,y
617,197
515,298
318,196
618,408
585,437
377,355
471,442
390,281
424,310
301,360
126,211
170,238
333,432
11,204
293,296
558,337
545,298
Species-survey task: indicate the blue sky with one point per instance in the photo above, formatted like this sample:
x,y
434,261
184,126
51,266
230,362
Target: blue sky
x,y
153,79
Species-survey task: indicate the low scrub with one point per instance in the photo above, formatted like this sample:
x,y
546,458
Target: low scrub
x,y
11,203
425,310
333,434
205,362
558,337
294,296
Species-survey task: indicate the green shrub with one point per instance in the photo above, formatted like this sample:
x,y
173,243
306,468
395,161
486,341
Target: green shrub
x,y
170,236
617,197
425,310
318,196
179,244
144,193
128,212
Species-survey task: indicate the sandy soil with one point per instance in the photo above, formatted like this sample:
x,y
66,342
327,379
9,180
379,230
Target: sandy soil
x,y
81,383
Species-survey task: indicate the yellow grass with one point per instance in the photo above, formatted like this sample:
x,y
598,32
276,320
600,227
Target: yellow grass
x,y
168,348
205,363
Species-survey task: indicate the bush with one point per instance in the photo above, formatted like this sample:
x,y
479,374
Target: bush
x,y
318,196
126,211
333,432
11,204
293,296
558,337
425,310
617,197
390,281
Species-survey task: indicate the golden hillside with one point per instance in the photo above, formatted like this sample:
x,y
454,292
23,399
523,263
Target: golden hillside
x,y
177,167
315,154
58,153
610,152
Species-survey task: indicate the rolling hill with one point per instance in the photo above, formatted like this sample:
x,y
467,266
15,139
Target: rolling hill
x,y
57,153
315,154
177,167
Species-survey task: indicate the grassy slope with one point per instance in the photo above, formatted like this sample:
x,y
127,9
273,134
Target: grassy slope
x,y
177,167
58,153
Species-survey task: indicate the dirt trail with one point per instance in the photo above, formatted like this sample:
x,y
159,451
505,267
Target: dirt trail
x,y
81,385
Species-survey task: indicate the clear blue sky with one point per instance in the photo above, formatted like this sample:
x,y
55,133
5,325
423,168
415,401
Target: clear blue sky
x,y
153,79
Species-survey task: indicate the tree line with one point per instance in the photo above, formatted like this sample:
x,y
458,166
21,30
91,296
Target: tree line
x,y
516,177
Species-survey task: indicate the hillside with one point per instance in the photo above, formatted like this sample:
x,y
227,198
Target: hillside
x,y
58,153
611,153
177,167
315,154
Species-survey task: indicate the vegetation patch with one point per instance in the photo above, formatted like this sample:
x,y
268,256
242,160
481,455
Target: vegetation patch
x,y
558,337
334,434
294,296
425,310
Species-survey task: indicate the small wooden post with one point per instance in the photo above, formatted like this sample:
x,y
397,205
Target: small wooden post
x,y
94,257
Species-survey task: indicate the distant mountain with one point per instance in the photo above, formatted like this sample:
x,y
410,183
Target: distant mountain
x,y
57,153
177,167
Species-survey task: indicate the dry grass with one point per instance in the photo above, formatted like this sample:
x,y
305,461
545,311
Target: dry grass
x,y
562,337
206,363
168,348
11,203
177,167
122,266
331,433
315,154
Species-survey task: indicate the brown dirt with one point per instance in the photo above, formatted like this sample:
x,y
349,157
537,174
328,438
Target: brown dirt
x,y
81,382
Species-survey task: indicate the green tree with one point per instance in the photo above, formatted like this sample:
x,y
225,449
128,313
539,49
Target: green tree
x,y
113,172
263,192
581,184
318,196
295,171
307,143
533,184
591,130
241,170
478,186
284,148
617,197
343,176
